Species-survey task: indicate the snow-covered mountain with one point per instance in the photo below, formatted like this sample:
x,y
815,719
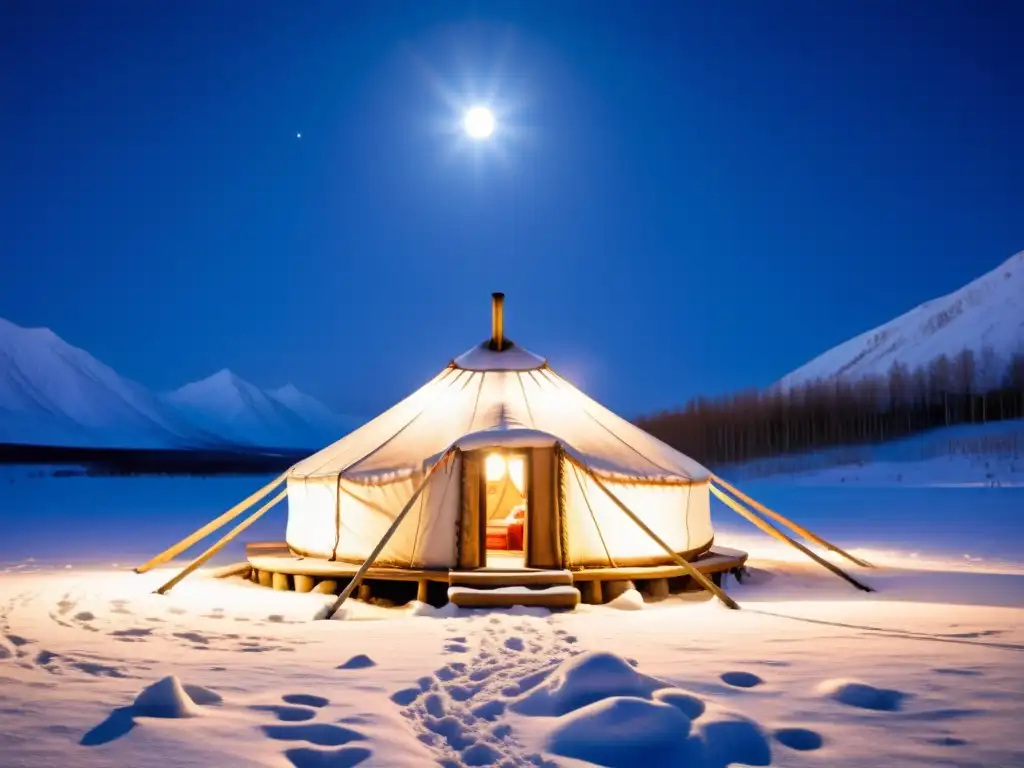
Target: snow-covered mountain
x,y
986,313
52,393
312,411
244,413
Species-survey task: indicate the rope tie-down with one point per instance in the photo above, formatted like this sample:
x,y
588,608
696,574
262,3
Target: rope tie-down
x,y
771,530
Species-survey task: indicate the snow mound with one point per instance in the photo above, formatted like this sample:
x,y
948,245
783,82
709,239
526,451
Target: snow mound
x,y
629,730
204,697
360,661
165,698
690,704
583,680
447,611
725,738
630,600
621,731
862,695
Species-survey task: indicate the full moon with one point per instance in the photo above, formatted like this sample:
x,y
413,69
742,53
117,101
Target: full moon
x,y
478,123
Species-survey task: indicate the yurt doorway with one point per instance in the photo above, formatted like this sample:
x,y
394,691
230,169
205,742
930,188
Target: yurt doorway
x,y
505,508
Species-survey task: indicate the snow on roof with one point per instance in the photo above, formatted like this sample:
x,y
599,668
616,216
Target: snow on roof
x,y
511,358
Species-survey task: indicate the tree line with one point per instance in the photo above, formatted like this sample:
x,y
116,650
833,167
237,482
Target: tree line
x,y
963,389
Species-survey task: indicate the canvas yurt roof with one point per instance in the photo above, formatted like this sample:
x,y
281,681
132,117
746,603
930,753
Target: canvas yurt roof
x,y
498,394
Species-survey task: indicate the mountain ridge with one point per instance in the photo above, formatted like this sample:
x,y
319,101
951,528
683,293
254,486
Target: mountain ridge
x,y
986,313
53,393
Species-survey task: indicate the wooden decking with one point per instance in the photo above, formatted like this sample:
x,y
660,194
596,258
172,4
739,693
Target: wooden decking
x,y
714,561
273,563
274,556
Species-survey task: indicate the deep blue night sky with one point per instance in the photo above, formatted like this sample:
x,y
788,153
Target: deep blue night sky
x,y
682,199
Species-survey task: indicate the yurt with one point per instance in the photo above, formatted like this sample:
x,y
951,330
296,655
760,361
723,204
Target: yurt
x,y
497,473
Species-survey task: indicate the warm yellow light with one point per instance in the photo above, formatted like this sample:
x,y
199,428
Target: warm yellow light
x,y
515,472
494,467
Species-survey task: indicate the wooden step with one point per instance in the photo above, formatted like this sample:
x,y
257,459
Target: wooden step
x,y
487,578
560,597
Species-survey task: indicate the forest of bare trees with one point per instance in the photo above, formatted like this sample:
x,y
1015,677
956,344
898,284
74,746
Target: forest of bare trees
x,y
967,388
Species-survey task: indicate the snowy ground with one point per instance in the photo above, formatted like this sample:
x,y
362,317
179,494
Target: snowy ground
x,y
970,455
926,671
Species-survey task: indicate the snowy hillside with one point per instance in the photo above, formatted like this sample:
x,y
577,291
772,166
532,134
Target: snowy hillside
x,y
54,394
986,313
244,413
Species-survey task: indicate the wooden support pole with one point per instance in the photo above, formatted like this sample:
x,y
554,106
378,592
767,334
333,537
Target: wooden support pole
x,y
385,538
796,528
771,530
658,589
590,592
281,582
326,587
172,552
219,545
423,591
697,576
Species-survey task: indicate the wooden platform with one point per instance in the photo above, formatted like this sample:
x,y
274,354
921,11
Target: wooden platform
x,y
555,598
274,564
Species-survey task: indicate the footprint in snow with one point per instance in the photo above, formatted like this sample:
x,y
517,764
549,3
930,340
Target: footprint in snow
x,y
426,683
741,679
799,739
305,700
286,713
118,606
457,712
406,696
320,734
464,692
345,757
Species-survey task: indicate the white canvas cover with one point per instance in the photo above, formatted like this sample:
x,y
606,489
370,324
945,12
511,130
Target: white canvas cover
x,y
486,398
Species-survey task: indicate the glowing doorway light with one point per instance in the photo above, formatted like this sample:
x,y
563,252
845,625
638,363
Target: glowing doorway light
x,y
494,467
515,473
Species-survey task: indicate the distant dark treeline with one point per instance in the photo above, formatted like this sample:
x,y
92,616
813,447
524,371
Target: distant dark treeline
x,y
125,461
826,413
